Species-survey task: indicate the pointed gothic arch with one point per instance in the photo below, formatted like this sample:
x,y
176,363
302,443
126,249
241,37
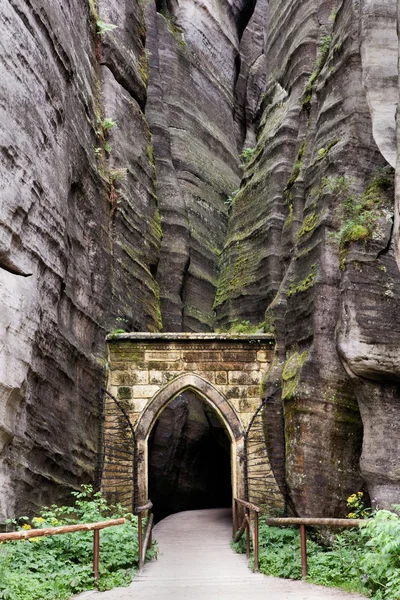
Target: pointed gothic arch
x,y
213,398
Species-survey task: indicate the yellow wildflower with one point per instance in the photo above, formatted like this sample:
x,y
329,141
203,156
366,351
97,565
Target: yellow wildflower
x,y
38,520
26,526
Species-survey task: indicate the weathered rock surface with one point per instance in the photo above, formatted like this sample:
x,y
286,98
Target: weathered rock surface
x,y
84,245
325,127
193,50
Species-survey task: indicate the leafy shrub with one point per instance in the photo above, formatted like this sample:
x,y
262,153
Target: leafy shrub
x,y
357,508
247,156
102,27
366,560
381,559
108,123
54,568
230,201
359,213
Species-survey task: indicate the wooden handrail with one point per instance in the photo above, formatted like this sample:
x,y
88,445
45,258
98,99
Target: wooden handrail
x,y
25,534
29,533
248,505
314,522
149,526
146,543
147,506
248,527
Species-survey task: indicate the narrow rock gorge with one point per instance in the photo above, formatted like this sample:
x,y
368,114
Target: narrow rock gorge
x,y
201,165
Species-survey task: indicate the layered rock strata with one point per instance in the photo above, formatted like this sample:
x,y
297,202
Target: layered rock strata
x,y
311,240
79,232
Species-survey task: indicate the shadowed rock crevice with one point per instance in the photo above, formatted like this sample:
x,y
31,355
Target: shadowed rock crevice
x,y
189,459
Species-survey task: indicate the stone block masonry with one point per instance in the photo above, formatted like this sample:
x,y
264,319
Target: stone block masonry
x,y
147,370
142,364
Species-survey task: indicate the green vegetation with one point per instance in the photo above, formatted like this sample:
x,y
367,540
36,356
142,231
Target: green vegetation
x,y
333,15
93,10
102,27
117,175
54,568
143,67
305,284
107,124
244,327
246,156
359,213
309,224
296,168
322,54
230,201
291,373
176,31
150,153
365,560
322,152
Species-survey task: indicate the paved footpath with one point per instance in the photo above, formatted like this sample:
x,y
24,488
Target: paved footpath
x,y
195,562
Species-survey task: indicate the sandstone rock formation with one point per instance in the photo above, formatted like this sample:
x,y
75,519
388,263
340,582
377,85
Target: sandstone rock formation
x,y
72,266
124,205
318,250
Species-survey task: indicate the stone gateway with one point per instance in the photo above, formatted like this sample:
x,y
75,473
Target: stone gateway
x,y
147,371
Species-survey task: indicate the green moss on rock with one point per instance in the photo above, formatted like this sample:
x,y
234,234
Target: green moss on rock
x,y
291,373
305,284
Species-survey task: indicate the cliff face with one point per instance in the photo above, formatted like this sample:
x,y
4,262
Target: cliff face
x,y
124,206
311,239
79,236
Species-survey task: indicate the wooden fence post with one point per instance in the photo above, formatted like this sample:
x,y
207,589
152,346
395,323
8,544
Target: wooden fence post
x,y
96,554
256,543
303,544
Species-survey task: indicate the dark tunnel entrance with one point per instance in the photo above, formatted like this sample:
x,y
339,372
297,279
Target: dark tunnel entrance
x,y
189,458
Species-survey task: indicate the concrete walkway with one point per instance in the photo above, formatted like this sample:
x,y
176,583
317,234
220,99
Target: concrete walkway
x,y
195,562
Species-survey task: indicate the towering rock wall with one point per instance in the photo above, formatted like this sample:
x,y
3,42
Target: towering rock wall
x,y
311,240
194,49
124,206
79,235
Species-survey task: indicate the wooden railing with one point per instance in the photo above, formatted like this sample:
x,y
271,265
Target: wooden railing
x,y
247,526
252,528
340,523
47,531
145,543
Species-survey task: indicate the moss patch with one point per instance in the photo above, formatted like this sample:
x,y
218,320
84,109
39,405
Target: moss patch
x,y
322,152
309,224
291,373
305,284
323,51
360,212
296,168
176,31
